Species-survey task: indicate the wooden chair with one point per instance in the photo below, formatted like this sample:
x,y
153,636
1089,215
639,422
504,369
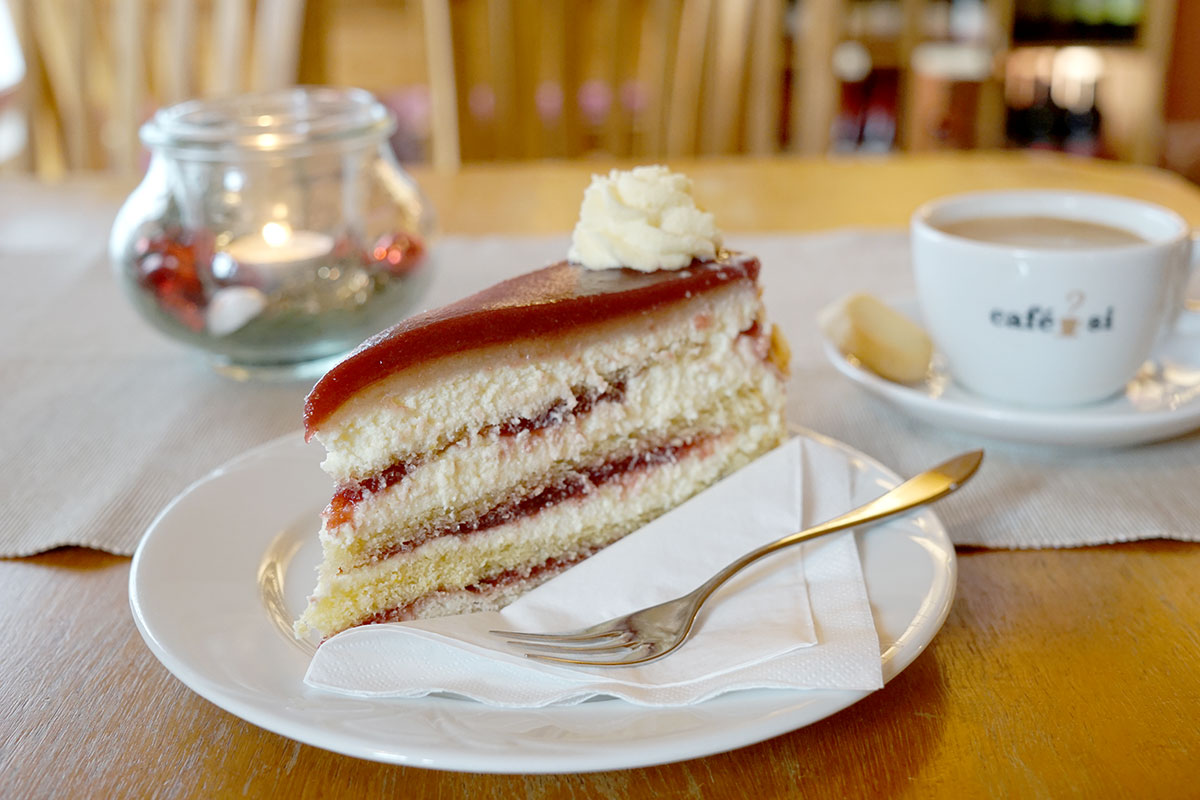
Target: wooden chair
x,y
97,70
637,78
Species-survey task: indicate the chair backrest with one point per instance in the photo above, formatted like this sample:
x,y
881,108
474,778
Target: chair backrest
x,y
97,70
640,78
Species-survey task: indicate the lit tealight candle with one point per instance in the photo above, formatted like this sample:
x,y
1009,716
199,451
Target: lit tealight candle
x,y
279,247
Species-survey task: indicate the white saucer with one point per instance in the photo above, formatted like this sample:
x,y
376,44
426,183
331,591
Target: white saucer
x,y
226,566
1162,401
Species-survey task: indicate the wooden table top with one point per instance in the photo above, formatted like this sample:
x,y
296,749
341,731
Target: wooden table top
x,y
1071,672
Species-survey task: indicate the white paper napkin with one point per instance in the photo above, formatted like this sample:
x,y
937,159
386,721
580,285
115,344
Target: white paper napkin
x,y
799,619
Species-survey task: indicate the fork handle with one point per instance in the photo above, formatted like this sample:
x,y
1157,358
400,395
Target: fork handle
x,y
930,485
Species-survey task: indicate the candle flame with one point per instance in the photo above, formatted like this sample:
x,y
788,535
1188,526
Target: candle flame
x,y
276,234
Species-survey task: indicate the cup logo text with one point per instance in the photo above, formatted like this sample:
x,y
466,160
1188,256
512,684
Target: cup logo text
x,y
1046,319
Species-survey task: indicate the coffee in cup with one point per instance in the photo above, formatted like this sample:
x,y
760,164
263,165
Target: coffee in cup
x,y
1053,233
1045,298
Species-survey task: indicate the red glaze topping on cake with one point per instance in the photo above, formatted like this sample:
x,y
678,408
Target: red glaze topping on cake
x,y
548,301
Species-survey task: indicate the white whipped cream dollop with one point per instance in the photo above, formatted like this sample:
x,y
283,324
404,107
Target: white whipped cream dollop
x,y
644,219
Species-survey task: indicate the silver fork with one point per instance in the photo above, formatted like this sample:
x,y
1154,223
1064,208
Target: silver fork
x,y
653,632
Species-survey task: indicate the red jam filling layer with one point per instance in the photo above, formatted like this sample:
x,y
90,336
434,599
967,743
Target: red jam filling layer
x,y
341,508
574,484
546,302
539,572
585,400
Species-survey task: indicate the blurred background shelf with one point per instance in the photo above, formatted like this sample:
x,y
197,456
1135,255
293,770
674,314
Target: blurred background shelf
x,y
477,80
1114,72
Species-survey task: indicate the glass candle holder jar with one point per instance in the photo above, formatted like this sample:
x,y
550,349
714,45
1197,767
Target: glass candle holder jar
x,y
273,231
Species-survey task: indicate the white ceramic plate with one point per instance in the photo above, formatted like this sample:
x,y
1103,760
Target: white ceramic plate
x,y
234,555
1162,401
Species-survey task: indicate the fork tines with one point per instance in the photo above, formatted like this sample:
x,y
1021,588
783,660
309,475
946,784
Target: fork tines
x,y
602,648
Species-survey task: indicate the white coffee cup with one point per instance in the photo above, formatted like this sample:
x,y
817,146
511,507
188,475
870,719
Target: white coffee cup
x,y
1043,326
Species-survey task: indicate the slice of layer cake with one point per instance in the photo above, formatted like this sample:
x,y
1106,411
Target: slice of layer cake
x,y
483,447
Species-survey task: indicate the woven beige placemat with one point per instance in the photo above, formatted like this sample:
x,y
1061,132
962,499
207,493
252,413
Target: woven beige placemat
x,y
107,421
